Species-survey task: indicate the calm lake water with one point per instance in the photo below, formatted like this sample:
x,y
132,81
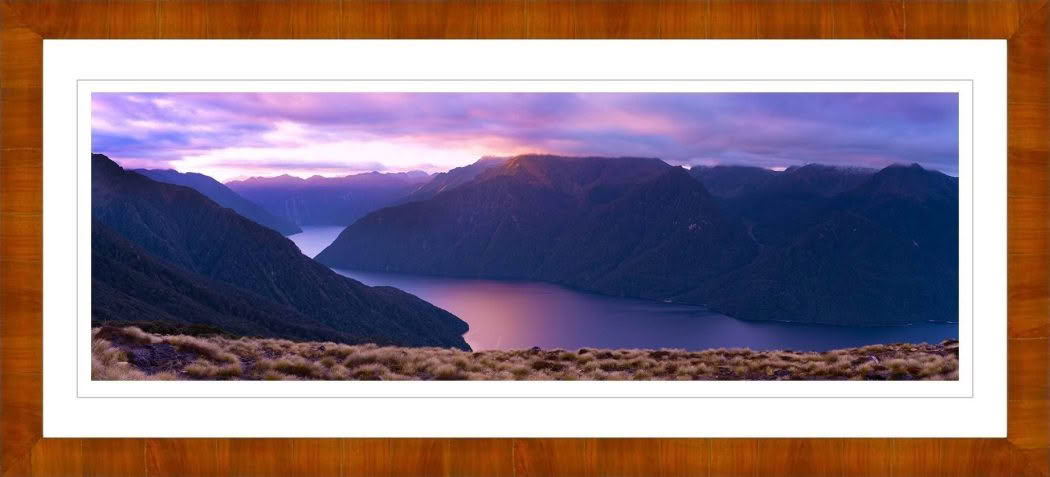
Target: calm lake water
x,y
513,315
313,239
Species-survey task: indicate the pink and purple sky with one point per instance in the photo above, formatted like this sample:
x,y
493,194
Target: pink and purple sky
x,y
236,135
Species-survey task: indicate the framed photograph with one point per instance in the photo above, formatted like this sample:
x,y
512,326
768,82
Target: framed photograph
x,y
233,231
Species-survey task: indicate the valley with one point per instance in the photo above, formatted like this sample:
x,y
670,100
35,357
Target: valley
x,y
547,252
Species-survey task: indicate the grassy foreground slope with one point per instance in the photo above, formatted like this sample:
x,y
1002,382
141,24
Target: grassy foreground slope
x,y
129,353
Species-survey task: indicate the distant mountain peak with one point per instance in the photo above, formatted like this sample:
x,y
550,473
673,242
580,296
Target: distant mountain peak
x,y
818,167
485,159
908,170
567,158
911,182
322,200
455,177
901,165
222,195
285,179
574,174
729,166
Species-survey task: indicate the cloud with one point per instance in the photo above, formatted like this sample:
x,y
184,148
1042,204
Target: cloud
x,y
233,134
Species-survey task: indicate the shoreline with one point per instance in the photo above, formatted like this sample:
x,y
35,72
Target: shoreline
x,y
584,291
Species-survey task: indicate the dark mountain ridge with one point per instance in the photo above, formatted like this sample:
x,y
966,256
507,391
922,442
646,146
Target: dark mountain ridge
x,y
735,181
593,223
223,196
777,206
451,179
813,244
163,248
731,181
883,252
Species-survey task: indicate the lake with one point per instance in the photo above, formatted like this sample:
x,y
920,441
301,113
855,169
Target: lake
x,y
513,315
313,239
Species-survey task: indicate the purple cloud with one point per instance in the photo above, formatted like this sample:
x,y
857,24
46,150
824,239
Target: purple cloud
x,y
236,134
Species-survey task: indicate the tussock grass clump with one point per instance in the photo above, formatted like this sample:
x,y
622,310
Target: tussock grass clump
x,y
136,334
208,347
219,357
244,348
204,369
369,372
107,354
446,372
296,366
109,363
338,351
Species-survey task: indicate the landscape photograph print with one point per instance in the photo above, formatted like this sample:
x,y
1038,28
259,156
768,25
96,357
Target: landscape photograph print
x,y
553,236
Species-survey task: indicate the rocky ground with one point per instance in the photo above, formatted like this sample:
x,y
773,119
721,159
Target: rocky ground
x,y
129,353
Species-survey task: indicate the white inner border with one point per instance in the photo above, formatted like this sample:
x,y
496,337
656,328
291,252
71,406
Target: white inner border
x,y
974,406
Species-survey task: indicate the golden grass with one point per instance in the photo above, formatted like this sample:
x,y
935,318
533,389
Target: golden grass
x,y
109,363
203,369
205,346
219,357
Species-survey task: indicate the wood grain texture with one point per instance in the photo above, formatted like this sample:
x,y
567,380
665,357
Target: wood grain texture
x,y
57,458
960,18
621,457
114,457
542,457
1028,103
428,457
180,457
869,19
498,19
25,23
952,457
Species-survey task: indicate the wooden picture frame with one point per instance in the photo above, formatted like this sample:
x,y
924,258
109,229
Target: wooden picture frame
x,y
1026,450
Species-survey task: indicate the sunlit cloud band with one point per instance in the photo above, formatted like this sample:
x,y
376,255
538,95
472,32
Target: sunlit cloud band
x,y
244,134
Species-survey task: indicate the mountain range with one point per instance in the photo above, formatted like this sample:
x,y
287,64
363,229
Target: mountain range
x,y
169,253
223,196
814,243
881,252
620,226
328,200
455,177
777,206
